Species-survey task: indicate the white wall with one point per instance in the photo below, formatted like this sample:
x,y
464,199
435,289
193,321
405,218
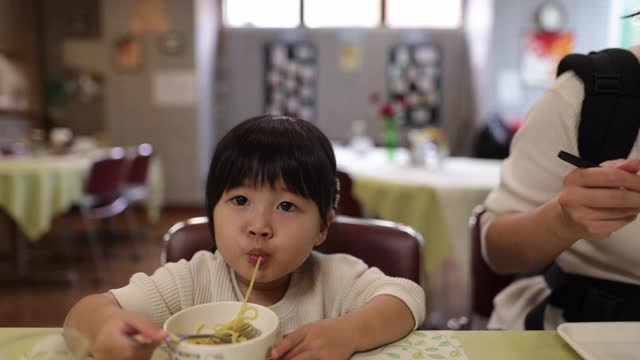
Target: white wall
x,y
181,138
589,20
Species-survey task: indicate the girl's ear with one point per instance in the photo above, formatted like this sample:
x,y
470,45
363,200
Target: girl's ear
x,y
331,216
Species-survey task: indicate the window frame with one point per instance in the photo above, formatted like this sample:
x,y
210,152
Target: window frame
x,y
382,23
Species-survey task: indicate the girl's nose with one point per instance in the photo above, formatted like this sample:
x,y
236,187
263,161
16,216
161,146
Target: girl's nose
x,y
261,228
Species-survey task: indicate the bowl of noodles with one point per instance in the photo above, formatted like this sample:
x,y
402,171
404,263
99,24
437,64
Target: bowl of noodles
x,y
249,330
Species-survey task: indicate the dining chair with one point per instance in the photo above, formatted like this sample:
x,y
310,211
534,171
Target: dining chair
x,y
485,283
136,189
102,198
347,204
394,248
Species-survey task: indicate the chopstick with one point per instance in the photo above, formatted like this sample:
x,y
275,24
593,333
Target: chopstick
x,y
576,160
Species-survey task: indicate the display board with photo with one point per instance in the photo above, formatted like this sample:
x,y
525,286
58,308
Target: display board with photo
x,y
414,84
291,79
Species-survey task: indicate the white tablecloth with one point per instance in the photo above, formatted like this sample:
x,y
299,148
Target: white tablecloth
x,y
455,173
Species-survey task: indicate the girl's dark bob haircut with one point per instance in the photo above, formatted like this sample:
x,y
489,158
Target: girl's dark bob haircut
x,y
266,149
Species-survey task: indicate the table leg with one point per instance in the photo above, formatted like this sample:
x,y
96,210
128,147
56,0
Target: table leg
x,y
23,276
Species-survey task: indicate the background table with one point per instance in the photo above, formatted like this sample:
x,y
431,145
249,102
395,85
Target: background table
x,y
437,202
35,189
444,345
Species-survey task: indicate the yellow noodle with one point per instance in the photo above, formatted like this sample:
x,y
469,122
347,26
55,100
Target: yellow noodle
x,y
240,319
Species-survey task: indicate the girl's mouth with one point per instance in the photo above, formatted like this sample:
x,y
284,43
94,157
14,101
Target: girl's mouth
x,y
255,255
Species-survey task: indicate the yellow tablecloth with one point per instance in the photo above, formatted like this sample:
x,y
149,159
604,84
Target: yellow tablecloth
x,y
444,345
436,202
413,205
33,190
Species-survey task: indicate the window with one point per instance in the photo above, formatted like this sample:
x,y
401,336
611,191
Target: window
x,y
342,13
424,13
444,14
262,13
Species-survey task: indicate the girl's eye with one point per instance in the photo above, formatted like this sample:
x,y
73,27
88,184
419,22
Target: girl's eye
x,y
287,206
239,200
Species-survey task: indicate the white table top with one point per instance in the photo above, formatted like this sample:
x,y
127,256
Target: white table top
x,y
456,172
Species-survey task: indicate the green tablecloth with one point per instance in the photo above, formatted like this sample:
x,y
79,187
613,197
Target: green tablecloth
x,y
33,190
459,345
439,214
436,201
413,205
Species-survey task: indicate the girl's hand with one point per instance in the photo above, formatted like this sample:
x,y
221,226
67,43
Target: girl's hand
x,y
113,340
324,340
598,201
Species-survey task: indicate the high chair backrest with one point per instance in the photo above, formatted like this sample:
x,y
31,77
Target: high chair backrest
x,y
347,205
393,248
186,238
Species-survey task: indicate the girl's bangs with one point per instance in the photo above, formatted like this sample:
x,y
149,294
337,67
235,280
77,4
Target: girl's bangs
x,y
271,167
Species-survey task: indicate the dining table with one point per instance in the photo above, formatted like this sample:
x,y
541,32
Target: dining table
x,y
35,189
47,343
434,199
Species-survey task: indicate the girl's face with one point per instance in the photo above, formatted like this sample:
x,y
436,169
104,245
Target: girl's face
x,y
274,224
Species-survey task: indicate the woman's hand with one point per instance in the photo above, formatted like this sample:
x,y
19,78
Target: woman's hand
x,y
113,341
598,201
328,339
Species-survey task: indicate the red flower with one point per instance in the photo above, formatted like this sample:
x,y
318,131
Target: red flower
x,y
386,110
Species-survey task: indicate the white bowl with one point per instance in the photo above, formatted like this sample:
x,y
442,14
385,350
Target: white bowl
x,y
188,320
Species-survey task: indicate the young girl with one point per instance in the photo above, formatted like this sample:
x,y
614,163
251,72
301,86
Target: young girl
x,y
271,194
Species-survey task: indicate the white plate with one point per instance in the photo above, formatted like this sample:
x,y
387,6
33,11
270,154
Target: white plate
x,y
603,340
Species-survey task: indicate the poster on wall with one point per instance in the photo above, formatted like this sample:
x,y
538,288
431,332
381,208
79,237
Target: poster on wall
x,y
290,79
127,53
541,53
149,16
414,84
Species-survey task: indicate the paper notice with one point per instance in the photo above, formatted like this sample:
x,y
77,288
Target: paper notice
x,y
174,88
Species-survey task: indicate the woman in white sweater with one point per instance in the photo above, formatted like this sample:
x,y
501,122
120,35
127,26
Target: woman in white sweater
x,y
546,210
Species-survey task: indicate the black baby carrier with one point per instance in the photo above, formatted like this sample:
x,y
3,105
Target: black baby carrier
x,y
609,123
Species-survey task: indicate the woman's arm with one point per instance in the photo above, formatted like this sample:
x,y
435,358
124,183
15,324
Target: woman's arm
x,y
519,242
592,204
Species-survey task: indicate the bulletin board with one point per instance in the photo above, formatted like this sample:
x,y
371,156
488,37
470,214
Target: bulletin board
x,y
290,79
414,84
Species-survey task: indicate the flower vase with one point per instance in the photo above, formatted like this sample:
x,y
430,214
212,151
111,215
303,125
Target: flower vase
x,y
390,135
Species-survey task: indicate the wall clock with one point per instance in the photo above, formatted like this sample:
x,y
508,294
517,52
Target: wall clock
x,y
550,17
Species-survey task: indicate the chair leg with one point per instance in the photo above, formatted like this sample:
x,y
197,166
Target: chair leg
x,y
22,254
67,240
136,237
96,250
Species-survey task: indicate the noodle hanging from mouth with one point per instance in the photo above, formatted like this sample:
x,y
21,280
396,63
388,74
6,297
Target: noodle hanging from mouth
x,y
240,328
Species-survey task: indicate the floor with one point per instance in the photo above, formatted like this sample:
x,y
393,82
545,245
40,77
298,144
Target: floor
x,y
44,303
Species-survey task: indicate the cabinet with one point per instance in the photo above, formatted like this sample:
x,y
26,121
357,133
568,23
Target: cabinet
x,y
20,44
